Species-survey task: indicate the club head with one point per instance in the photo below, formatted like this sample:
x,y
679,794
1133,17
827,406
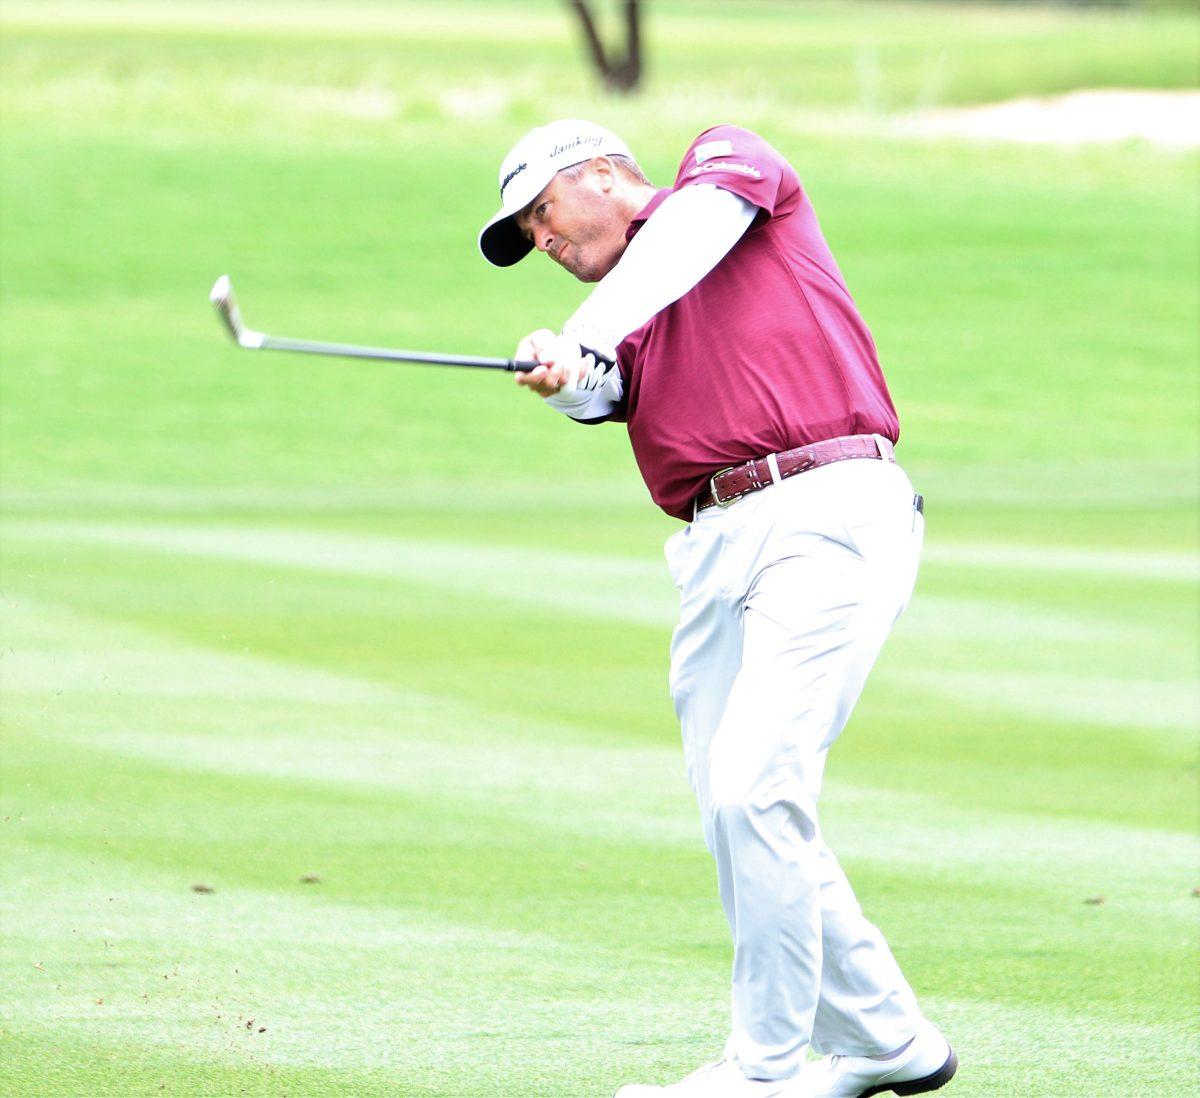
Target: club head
x,y
221,295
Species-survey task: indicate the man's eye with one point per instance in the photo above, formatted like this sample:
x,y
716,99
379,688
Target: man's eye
x,y
540,212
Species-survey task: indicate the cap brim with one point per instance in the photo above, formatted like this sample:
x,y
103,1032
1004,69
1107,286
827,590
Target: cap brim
x,y
502,243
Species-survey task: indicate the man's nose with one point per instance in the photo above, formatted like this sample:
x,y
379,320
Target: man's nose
x,y
543,239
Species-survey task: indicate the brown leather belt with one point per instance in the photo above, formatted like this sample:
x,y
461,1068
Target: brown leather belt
x,y
729,485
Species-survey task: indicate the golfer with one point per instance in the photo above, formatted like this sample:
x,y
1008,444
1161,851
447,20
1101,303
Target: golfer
x,y
721,332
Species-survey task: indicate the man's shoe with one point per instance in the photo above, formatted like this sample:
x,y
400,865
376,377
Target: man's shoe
x,y
926,1064
724,1079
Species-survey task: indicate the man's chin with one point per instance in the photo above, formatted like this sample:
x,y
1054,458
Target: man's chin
x,y
583,274
589,272
584,264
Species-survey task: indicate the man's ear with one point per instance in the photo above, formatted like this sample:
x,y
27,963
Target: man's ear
x,y
605,173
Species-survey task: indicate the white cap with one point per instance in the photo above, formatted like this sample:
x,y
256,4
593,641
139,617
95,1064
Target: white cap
x,y
530,165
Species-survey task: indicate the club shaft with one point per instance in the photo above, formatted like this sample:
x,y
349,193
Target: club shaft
x,y
350,350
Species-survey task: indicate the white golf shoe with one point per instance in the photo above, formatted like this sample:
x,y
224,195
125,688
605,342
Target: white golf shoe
x,y
724,1079
926,1064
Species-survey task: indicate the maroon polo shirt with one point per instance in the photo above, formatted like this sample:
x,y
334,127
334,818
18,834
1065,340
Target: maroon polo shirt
x,y
766,353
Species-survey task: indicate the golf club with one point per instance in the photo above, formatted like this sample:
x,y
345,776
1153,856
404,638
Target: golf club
x,y
226,305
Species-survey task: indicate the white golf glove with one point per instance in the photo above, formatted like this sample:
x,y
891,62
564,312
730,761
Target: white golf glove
x,y
592,385
583,367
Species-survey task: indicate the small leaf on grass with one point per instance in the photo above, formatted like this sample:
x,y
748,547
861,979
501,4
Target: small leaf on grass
x,y
1095,901
310,879
203,888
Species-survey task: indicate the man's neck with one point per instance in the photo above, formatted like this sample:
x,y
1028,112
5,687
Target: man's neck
x,y
634,199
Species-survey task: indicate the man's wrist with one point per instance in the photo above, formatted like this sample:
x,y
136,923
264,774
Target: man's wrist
x,y
593,339
566,399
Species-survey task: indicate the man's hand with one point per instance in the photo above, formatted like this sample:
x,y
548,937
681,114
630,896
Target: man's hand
x,y
563,362
576,380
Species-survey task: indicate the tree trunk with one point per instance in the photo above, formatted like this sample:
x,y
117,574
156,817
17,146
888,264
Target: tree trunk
x,y
624,73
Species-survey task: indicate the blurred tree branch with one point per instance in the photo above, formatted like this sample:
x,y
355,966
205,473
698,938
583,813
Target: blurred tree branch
x,y
621,74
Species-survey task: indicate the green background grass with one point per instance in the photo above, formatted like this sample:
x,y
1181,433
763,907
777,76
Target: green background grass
x,y
248,637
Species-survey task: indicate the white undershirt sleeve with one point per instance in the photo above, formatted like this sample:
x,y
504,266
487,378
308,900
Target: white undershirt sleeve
x,y
681,243
684,239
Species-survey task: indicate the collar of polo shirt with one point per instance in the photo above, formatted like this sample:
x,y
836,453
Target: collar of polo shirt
x,y
531,163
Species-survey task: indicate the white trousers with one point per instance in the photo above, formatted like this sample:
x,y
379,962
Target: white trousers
x,y
786,599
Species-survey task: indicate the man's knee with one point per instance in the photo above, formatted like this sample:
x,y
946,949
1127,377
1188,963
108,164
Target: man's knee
x,y
775,808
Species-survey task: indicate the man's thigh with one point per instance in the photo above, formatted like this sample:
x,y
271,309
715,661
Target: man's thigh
x,y
814,620
706,646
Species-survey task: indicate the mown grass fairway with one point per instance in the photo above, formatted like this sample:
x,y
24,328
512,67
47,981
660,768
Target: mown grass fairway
x,y
403,630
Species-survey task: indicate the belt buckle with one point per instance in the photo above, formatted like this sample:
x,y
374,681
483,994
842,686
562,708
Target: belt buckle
x,y
712,487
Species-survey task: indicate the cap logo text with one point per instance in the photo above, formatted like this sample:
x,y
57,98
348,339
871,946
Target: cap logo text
x,y
559,149
509,178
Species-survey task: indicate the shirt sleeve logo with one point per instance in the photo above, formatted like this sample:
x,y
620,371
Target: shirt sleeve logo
x,y
713,148
724,166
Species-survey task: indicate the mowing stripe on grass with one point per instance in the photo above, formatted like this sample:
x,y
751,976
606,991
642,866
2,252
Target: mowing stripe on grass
x,y
1141,564
1090,699
552,786
436,746
1022,643
392,556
